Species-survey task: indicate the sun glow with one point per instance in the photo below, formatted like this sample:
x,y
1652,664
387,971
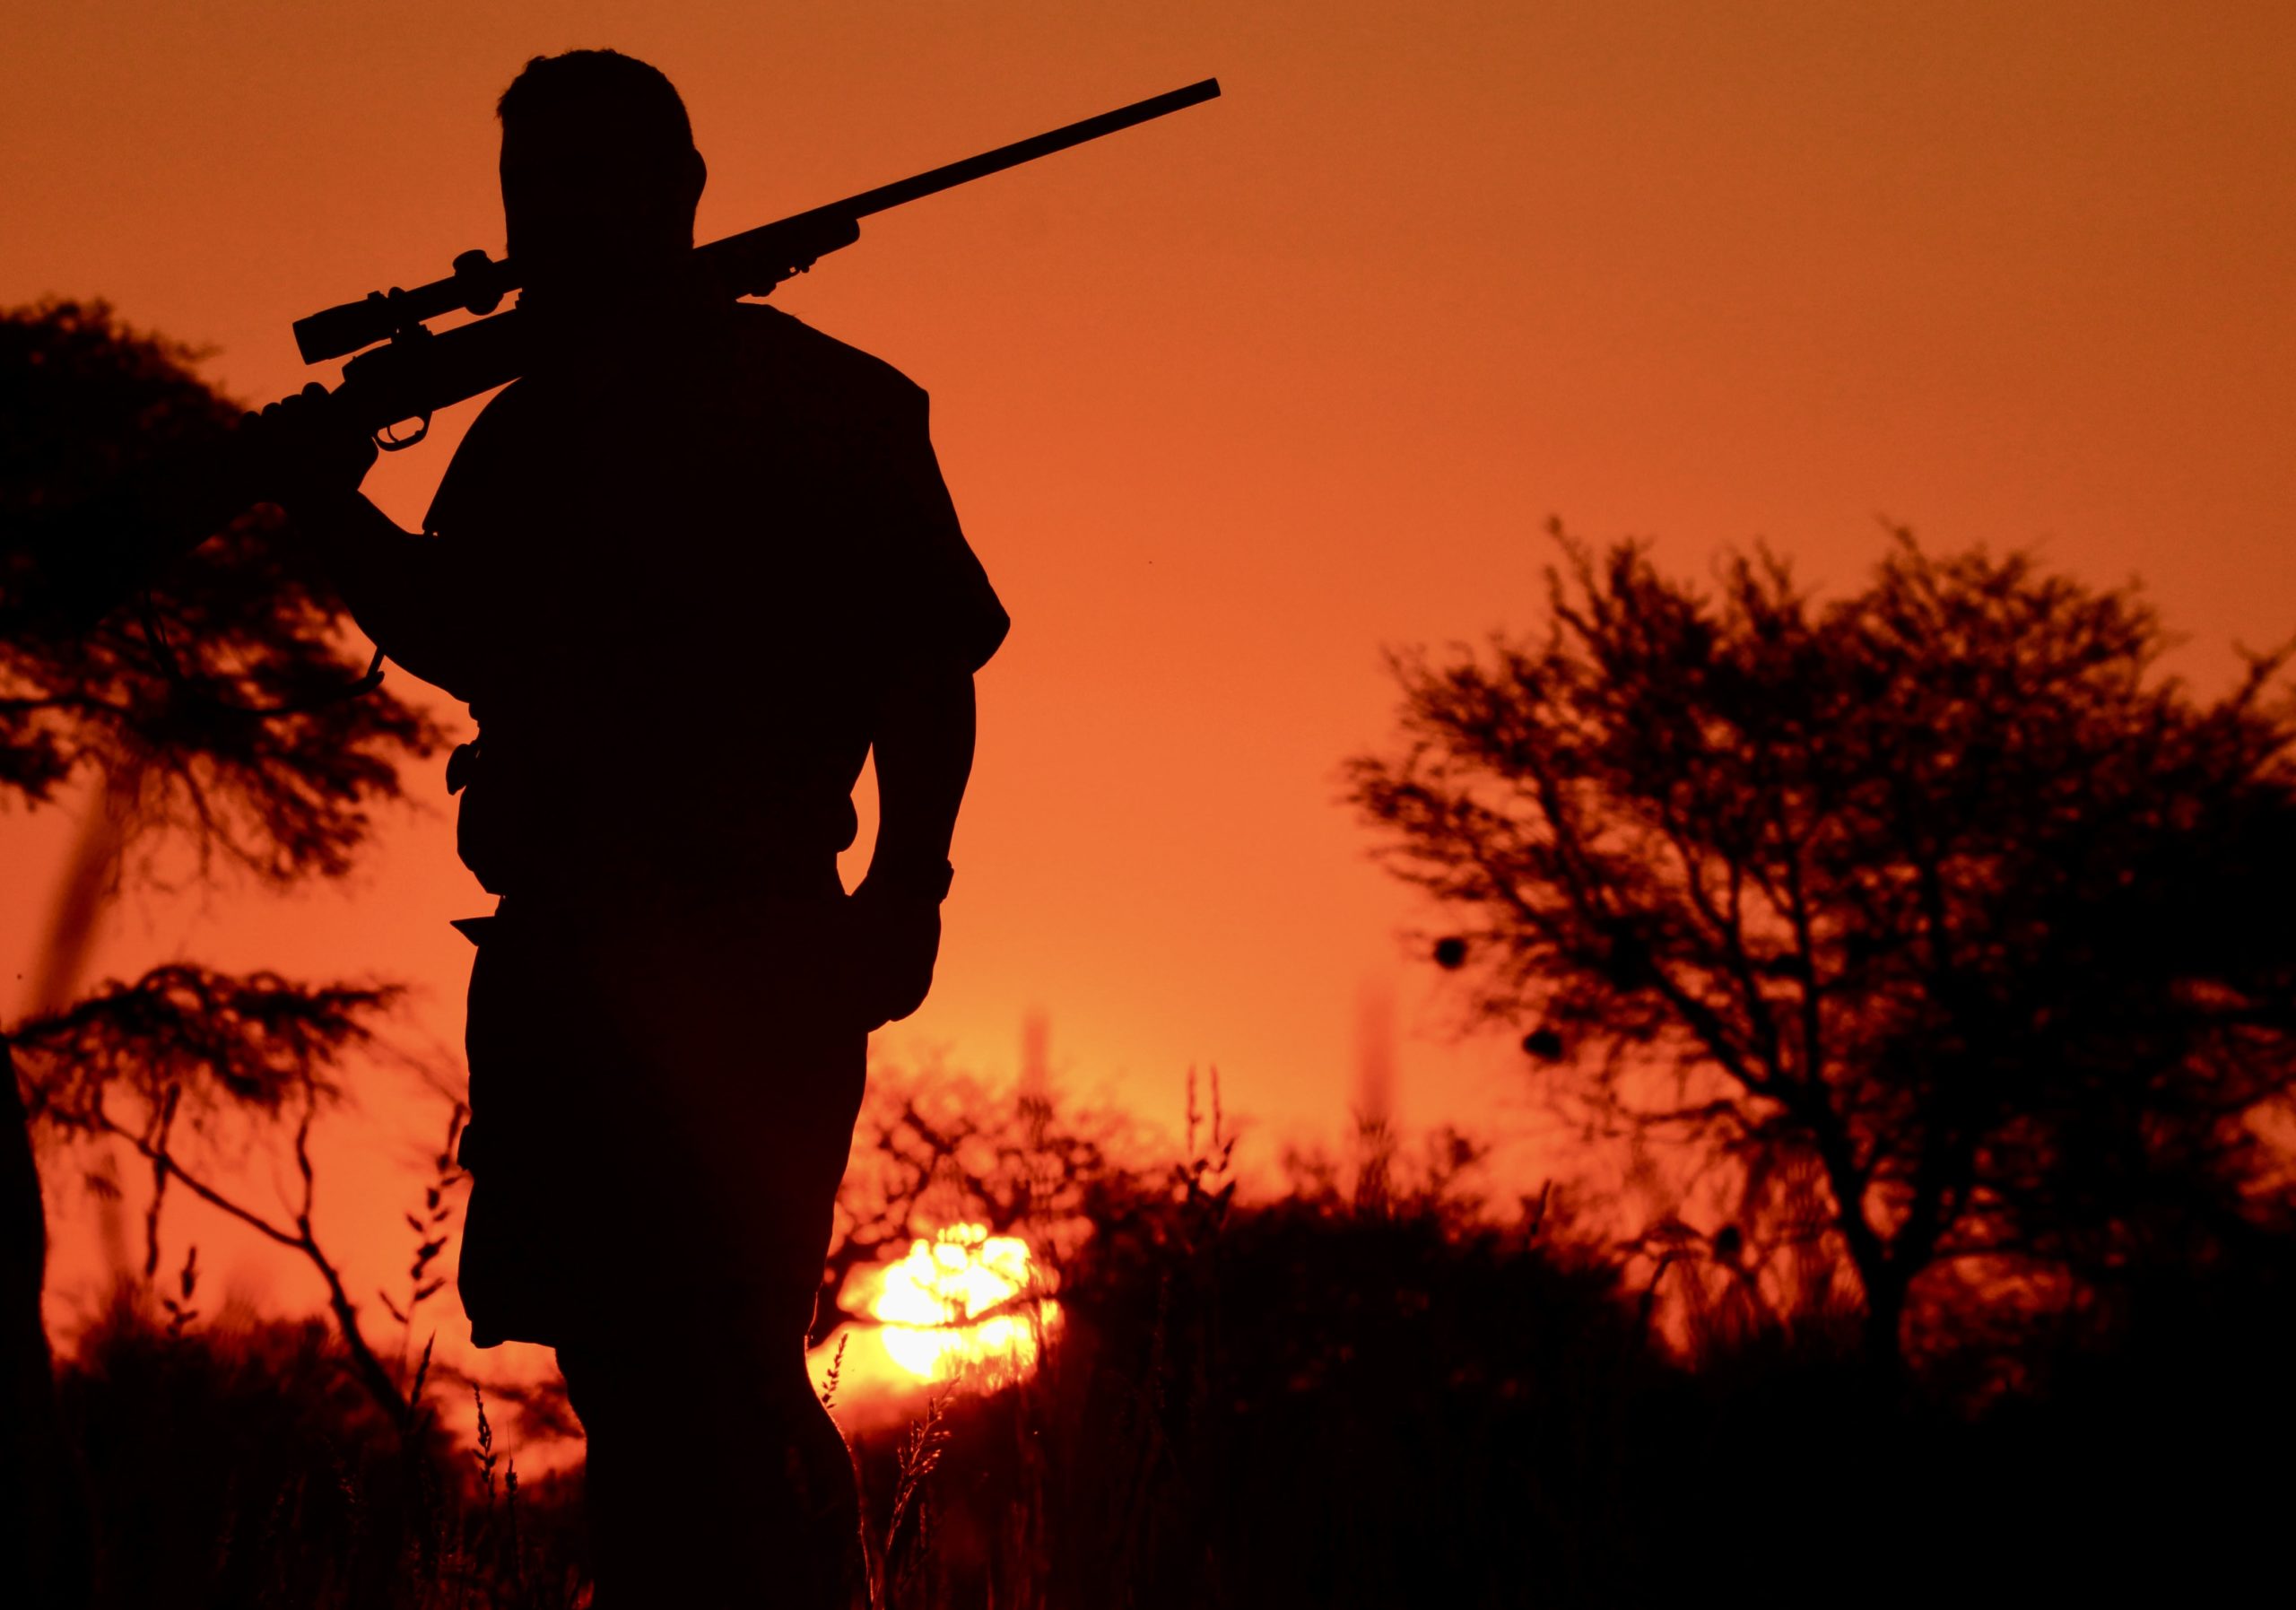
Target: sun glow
x,y
964,1303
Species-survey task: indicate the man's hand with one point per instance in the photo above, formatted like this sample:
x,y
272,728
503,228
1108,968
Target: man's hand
x,y
306,455
895,938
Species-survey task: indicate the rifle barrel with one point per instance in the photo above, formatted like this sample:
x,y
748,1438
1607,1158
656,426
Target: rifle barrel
x,y
952,174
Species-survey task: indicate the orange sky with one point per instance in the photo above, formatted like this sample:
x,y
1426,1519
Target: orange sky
x,y
1230,401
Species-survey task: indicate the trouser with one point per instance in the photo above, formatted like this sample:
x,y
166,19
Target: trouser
x,y
662,1103
717,1480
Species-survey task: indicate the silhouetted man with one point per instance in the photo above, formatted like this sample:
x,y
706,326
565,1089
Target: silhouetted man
x,y
687,573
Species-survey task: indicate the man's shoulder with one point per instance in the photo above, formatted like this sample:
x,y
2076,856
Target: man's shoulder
x,y
794,354
784,370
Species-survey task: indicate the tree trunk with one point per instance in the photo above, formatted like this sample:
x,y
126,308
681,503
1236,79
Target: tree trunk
x,y
1880,1264
1884,1330
44,1540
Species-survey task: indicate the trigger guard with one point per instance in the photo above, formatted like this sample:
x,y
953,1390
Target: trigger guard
x,y
387,443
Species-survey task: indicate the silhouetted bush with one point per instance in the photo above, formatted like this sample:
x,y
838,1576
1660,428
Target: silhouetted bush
x,y
244,1463
1365,1391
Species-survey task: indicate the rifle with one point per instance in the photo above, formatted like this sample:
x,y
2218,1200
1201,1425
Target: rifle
x,y
407,372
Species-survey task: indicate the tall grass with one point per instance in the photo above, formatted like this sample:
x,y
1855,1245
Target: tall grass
x,y
1367,1390
239,1462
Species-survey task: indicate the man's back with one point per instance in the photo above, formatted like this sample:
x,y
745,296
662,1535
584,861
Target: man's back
x,y
695,569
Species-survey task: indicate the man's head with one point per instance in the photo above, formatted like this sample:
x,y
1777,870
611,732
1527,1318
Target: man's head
x,y
599,173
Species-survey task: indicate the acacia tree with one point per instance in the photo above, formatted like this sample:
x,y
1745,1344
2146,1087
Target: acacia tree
x,y
935,1149
1938,898
210,713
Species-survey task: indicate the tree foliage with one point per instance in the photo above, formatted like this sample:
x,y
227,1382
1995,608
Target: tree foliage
x,y
183,1049
195,1041
214,712
1940,895
209,706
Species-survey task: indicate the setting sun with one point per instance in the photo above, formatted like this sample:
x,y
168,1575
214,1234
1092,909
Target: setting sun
x,y
934,1300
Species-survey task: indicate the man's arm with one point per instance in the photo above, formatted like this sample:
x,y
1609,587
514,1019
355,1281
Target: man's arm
x,y
924,743
941,622
397,585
